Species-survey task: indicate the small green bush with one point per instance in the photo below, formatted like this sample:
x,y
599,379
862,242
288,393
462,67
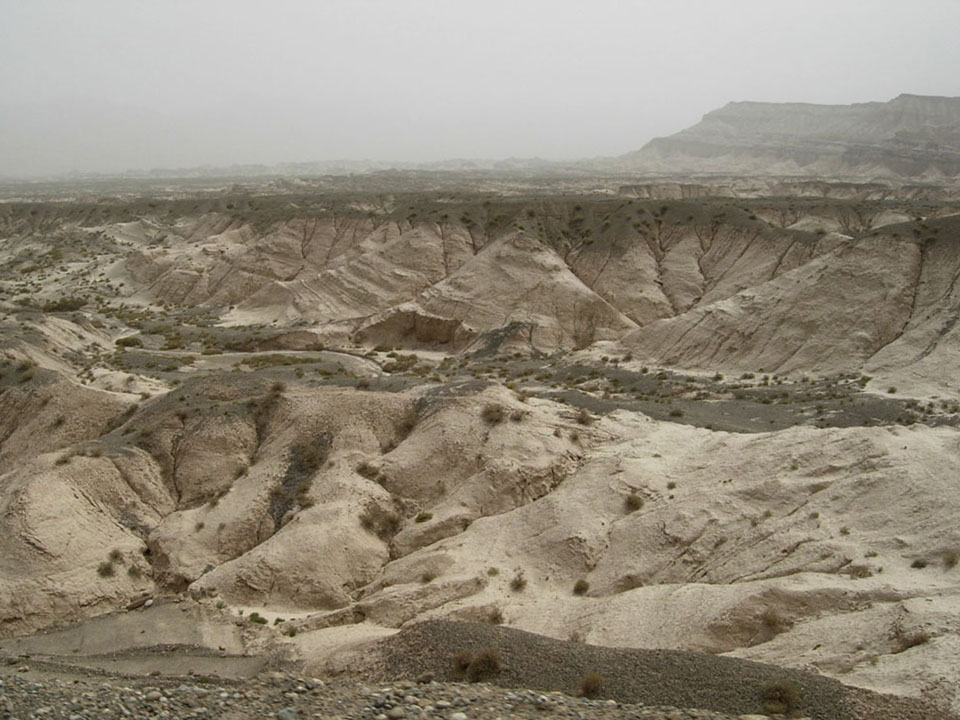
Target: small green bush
x,y
105,569
632,502
257,618
580,587
518,583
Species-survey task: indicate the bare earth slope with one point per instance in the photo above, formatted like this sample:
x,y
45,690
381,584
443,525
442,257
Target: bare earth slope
x,y
724,425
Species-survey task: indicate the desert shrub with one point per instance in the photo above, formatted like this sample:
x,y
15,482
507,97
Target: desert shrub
x,y
580,587
134,572
773,621
859,571
632,502
423,517
67,304
114,555
257,618
401,363
105,569
905,641
367,470
584,417
290,632
781,697
132,341
676,412
516,416
918,564
591,684
518,583
461,661
495,616
383,524
307,455
493,414
264,408
428,577
483,665
671,485
406,425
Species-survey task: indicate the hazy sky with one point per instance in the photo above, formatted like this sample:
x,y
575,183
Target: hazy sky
x,y
100,85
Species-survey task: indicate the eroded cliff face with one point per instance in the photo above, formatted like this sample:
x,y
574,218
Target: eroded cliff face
x,y
909,136
824,279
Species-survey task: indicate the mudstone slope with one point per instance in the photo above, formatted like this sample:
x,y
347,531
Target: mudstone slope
x,y
720,424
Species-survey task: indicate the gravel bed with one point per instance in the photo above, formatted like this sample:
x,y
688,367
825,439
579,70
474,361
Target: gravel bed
x,y
288,697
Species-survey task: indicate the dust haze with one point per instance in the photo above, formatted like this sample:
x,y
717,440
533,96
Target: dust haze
x,y
112,86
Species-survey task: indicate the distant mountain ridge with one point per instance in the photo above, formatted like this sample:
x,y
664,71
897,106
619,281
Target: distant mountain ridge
x,y
914,136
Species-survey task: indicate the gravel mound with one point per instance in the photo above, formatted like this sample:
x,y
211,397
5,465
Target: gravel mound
x,y
645,677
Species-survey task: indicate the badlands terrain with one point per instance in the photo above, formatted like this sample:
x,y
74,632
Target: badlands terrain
x,y
664,445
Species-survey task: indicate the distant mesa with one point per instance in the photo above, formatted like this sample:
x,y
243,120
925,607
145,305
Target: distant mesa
x,y
915,136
